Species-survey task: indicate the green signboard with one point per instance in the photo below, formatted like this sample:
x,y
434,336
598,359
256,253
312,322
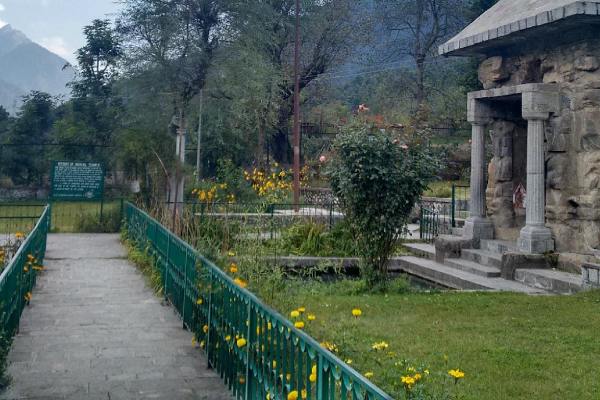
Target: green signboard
x,y
72,180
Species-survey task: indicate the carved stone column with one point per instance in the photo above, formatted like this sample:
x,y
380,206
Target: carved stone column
x,y
535,237
477,226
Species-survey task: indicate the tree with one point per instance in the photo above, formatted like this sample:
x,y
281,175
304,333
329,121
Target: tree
x,y
97,60
378,178
91,118
24,160
178,40
416,29
329,31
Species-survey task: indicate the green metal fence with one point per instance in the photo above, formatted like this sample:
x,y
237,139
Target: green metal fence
x,y
18,278
429,227
258,353
460,204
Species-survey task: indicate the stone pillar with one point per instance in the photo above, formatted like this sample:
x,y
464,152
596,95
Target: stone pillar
x,y
535,237
477,226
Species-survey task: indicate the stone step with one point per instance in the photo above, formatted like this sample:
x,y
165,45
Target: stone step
x,y
483,257
455,278
473,267
423,250
551,280
458,231
498,246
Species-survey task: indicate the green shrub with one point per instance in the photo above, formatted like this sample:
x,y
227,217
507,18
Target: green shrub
x,y
378,178
5,343
91,223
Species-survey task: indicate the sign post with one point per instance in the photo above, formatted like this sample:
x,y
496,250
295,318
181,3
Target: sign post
x,y
77,181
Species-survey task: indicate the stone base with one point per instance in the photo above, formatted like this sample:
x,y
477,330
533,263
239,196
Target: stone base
x,y
450,247
513,261
477,228
535,240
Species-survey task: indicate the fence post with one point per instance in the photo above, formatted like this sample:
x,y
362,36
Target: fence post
x,y
330,215
421,223
453,206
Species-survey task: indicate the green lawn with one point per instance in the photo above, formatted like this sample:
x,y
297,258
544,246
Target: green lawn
x,y
511,346
66,216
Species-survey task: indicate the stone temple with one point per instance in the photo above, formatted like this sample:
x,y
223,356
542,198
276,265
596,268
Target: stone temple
x,y
535,166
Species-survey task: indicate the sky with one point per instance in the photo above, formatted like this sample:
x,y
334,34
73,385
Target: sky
x,y
55,24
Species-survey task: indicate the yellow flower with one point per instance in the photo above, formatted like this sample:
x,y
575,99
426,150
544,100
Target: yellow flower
x,y
348,361
312,378
199,301
299,324
456,374
28,296
19,235
295,314
418,377
205,329
240,282
380,346
194,341
408,381
274,364
293,395
357,312
233,268
311,317
301,310
227,338
303,393
202,344
231,253
369,375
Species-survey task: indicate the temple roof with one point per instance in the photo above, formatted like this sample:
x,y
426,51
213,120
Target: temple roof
x,y
508,19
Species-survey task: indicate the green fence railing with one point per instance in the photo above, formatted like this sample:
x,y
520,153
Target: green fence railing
x,y
18,278
429,225
258,353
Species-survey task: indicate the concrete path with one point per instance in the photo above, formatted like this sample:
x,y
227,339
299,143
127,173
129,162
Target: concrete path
x,y
94,330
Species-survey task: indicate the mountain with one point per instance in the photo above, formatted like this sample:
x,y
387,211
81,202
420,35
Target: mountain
x,y
27,66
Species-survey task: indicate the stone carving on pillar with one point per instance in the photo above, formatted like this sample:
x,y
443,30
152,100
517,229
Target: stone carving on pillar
x,y
477,226
535,237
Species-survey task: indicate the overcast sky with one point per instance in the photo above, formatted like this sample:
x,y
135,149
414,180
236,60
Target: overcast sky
x,y
55,24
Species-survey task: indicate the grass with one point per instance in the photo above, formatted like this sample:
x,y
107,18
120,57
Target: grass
x,y
66,216
443,189
511,346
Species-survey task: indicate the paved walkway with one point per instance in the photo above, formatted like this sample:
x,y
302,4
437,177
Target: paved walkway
x,y
94,330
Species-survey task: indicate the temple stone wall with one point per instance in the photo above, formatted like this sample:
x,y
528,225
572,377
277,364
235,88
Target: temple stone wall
x,y
572,143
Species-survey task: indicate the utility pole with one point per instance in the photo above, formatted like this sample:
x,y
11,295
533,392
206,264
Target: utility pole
x,y
198,167
296,144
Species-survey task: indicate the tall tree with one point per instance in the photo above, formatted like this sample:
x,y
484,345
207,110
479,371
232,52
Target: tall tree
x,y
416,28
176,39
23,160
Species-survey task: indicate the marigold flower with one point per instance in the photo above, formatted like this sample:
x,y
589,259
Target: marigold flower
x,y
205,329
19,235
241,283
369,375
311,317
456,374
233,268
295,314
293,395
357,312
301,310
241,342
299,324
380,346
199,301
312,378
227,338
408,381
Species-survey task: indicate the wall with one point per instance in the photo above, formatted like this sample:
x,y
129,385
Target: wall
x,y
572,139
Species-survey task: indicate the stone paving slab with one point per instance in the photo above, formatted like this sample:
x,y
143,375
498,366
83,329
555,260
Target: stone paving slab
x,y
94,330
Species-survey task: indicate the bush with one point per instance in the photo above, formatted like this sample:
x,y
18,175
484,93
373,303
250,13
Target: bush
x,y
91,223
378,177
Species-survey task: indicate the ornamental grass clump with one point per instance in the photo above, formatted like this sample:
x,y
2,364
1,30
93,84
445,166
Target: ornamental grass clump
x,y
378,177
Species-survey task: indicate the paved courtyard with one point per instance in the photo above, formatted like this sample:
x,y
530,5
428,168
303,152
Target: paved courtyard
x,y
94,330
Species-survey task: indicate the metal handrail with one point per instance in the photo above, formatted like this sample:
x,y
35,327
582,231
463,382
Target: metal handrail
x,y
256,350
19,276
